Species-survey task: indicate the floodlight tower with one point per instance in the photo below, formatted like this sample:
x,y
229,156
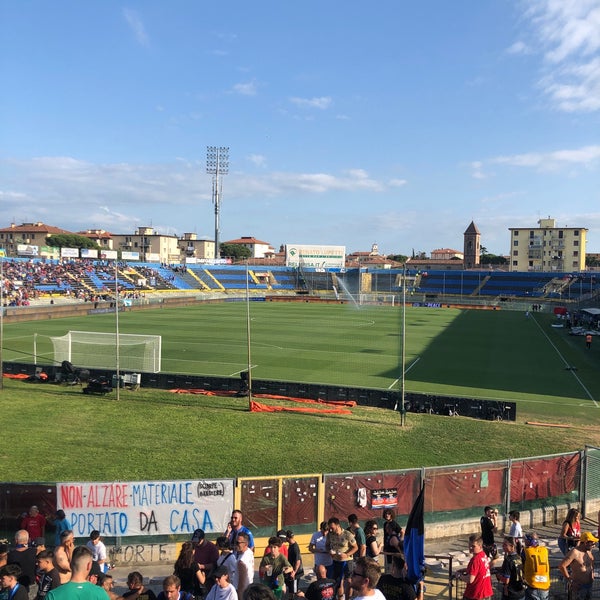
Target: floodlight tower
x,y
217,164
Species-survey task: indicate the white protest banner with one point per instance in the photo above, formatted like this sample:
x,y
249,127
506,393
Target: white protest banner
x,y
147,507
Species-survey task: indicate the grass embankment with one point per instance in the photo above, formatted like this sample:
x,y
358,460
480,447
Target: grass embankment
x,y
148,434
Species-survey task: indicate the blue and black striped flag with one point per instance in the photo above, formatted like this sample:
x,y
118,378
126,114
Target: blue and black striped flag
x,y
414,540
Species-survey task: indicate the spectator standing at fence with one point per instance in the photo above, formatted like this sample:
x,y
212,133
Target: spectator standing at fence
x,y
192,578
489,526
577,567
273,567
342,546
373,547
61,523
98,550
48,574
536,569
24,556
62,555
318,547
359,534
510,574
365,577
394,585
34,523
78,586
570,531
392,537
477,575
227,559
295,559
236,526
516,531
206,553
245,564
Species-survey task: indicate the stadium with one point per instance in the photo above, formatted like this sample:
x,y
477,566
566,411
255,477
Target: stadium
x,y
470,342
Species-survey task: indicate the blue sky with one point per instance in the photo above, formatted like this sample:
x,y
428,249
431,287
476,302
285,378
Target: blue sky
x,y
348,123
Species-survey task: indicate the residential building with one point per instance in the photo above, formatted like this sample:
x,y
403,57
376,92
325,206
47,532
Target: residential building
x,y
547,248
257,248
147,245
29,239
446,254
193,249
99,236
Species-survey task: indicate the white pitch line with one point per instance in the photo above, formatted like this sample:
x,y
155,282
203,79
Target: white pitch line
x,y
566,364
238,372
405,372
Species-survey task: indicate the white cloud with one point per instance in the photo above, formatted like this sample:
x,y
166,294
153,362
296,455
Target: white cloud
x,y
519,48
258,159
321,103
134,21
568,35
249,88
76,194
397,182
586,156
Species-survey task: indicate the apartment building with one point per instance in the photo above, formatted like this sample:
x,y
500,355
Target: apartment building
x,y
547,248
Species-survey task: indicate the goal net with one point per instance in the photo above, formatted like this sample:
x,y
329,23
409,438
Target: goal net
x,y
92,349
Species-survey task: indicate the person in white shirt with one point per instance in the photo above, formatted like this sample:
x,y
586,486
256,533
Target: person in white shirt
x,y
317,546
364,578
222,590
96,545
245,564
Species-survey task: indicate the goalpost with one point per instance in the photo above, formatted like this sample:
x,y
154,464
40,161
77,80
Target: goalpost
x,y
92,349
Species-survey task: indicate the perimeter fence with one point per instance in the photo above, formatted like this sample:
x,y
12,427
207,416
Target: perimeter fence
x,y
541,488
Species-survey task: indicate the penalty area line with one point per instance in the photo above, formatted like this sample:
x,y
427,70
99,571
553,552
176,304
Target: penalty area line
x,y
567,364
405,372
242,371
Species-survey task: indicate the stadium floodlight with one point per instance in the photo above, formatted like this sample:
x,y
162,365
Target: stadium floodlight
x,y
217,164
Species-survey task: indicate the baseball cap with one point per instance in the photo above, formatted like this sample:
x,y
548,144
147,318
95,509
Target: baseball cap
x,y
198,535
282,533
532,541
587,536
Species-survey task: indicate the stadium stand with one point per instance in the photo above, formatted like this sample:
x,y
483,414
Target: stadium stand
x,y
26,279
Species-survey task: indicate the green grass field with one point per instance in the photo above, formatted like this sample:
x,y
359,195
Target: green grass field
x,y
473,353
470,353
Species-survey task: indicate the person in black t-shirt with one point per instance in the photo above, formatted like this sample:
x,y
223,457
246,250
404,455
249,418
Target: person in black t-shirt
x,y
320,589
49,576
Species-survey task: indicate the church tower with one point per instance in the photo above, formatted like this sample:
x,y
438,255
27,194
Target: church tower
x,y
472,246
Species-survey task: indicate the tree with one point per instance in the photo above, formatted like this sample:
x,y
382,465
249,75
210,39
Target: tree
x,y
401,258
592,261
492,259
235,251
70,240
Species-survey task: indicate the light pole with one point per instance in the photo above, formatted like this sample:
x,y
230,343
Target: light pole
x,y
217,164
117,349
403,405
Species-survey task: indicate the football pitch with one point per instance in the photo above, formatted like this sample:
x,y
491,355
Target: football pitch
x,y
474,353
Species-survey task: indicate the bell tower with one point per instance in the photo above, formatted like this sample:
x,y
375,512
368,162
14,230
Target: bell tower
x,y
472,247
